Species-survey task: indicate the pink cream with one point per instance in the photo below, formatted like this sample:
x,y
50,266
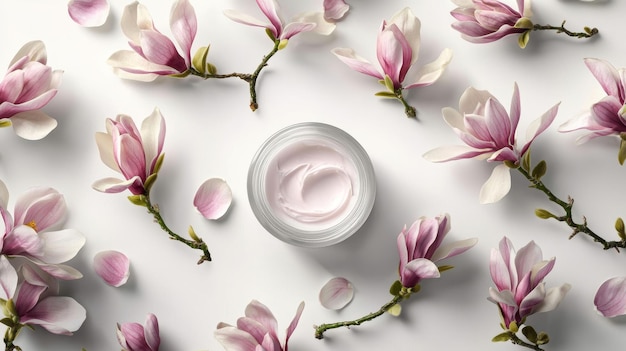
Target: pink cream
x,y
311,185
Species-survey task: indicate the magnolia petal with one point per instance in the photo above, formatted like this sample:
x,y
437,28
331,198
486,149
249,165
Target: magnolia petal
x,y
105,149
59,271
259,312
61,246
410,27
4,195
335,10
57,314
233,339
213,198
8,278
553,298
356,62
336,293
610,299
246,19
153,137
453,152
35,51
416,270
538,126
40,208
112,266
321,25
128,64
453,249
89,13
113,185
151,332
294,28
184,25
430,73
606,74
497,186
294,322
33,125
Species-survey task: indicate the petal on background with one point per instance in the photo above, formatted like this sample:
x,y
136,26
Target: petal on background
x,y
430,73
61,246
610,299
356,62
35,51
321,25
8,278
213,198
151,332
497,186
184,25
89,13
336,293
112,266
33,125
57,314
335,10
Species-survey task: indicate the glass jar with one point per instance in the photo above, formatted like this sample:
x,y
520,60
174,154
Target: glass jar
x,y
311,184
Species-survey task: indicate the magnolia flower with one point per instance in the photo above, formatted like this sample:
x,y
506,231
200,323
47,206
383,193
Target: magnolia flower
x,y
89,13
484,21
136,337
335,10
213,198
32,303
420,249
36,211
490,133
607,116
28,86
279,30
398,46
257,330
610,299
520,290
112,266
135,153
154,54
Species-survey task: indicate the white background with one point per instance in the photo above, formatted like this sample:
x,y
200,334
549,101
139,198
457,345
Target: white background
x,y
212,133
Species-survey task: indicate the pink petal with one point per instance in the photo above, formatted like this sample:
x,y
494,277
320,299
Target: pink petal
x,y
336,293
294,323
184,25
233,339
151,332
610,299
356,62
294,28
112,266
334,10
89,13
213,198
430,73
41,208
57,314
607,76
270,9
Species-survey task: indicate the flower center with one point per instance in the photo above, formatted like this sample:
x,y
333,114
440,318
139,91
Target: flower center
x,y
32,224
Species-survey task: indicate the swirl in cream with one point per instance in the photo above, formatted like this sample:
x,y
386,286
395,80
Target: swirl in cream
x,y
311,184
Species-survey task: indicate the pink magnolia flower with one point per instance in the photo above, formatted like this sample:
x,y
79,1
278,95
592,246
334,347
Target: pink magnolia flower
x,y
280,30
213,198
154,54
607,116
610,299
36,211
335,10
89,13
112,266
28,86
136,337
397,49
256,331
490,133
135,153
484,21
420,248
34,303
520,290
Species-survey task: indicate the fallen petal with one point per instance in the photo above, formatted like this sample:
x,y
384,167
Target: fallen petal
x,y
610,299
336,293
335,10
112,266
213,198
89,13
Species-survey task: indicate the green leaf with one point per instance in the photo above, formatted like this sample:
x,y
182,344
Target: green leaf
x,y
158,164
621,155
524,23
395,288
504,336
270,34
150,182
544,214
619,226
138,200
211,69
513,327
199,59
530,334
444,268
283,44
386,94
523,39
526,161
8,322
193,235
540,170
389,83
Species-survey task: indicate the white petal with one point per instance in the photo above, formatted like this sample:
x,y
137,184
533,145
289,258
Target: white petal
x,y
61,246
4,195
410,26
497,186
112,185
35,50
213,198
33,125
322,26
336,293
8,278
452,152
57,314
89,13
430,73
112,266
553,298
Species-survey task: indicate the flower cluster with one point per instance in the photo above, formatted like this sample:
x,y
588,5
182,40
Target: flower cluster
x,y
27,87
33,253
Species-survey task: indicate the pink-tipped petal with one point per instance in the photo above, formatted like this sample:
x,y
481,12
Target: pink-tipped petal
x,y
57,314
610,299
184,25
89,13
336,293
151,331
335,10
213,198
356,62
112,266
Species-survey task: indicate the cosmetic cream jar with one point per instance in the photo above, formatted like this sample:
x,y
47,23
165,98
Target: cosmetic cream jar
x,y
311,185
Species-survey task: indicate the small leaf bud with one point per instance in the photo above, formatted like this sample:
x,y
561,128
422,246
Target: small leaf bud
x,y
505,336
395,310
544,214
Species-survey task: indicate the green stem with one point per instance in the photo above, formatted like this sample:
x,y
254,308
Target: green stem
x,y
517,341
588,32
408,109
9,337
567,217
319,330
255,74
198,244
243,76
